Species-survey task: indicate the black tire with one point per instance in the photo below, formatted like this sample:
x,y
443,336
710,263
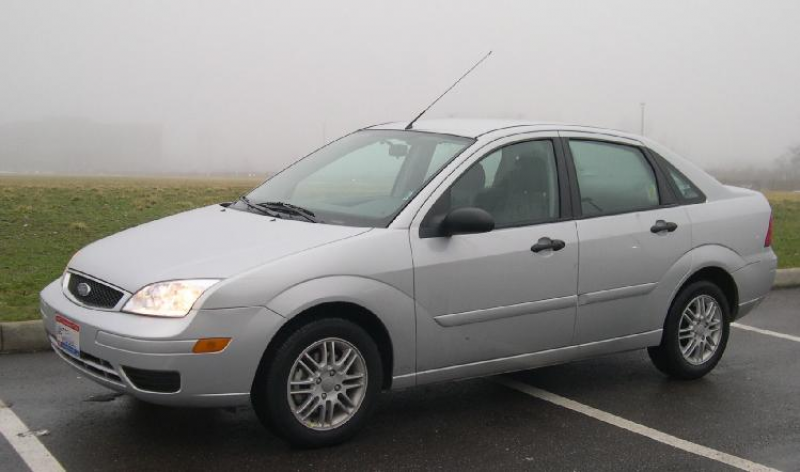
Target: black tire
x,y
667,356
269,392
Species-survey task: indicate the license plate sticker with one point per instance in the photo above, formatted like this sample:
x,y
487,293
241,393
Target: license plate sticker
x,y
68,335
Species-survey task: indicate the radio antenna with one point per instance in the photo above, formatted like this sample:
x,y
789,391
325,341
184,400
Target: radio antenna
x,y
411,124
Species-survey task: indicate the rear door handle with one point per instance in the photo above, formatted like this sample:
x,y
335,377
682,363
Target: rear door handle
x,y
546,243
662,226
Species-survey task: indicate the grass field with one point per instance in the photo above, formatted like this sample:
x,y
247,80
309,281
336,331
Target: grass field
x,y
786,227
44,220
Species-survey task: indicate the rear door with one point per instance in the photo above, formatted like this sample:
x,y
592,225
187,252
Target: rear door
x,y
632,235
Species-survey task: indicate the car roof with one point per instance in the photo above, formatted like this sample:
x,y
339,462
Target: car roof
x,y
474,128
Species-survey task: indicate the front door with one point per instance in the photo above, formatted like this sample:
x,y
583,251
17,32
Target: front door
x,y
509,291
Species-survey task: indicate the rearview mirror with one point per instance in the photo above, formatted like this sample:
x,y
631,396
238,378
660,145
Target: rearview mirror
x,y
398,150
466,220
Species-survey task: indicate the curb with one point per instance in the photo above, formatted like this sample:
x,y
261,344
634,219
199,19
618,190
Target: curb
x,y
23,336
787,278
29,336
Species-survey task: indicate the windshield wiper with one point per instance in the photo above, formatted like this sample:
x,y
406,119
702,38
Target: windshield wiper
x,y
290,209
259,209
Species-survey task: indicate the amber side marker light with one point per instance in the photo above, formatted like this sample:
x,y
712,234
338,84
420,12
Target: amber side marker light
x,y
206,345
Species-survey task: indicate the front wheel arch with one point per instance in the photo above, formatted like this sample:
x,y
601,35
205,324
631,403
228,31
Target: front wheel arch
x,y
345,310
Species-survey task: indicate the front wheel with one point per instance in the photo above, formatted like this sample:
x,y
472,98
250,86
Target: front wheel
x,y
320,385
695,332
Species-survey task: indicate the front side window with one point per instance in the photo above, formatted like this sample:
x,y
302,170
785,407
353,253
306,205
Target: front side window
x,y
364,179
613,178
517,185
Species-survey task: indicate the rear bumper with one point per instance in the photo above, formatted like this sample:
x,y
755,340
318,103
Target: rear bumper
x,y
754,281
116,346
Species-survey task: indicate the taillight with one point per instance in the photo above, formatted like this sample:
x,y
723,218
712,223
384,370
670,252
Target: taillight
x,y
768,239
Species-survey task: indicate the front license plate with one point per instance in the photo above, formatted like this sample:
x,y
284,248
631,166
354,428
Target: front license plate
x,y
68,335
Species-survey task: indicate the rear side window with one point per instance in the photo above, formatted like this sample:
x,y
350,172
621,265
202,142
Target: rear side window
x,y
613,178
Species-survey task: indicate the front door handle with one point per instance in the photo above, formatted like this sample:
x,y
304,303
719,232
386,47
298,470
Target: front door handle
x,y
662,226
546,243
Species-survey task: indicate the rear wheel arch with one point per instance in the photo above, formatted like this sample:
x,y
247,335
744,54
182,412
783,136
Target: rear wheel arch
x,y
722,279
349,311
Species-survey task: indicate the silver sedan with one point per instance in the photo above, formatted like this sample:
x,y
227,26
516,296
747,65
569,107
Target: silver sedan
x,y
397,257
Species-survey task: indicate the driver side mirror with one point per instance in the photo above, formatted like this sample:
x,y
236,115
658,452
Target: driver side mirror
x,y
466,220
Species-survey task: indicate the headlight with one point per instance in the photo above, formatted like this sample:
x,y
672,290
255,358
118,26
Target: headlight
x,y
174,298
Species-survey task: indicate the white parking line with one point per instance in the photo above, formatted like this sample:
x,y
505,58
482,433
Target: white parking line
x,y
767,332
637,428
25,443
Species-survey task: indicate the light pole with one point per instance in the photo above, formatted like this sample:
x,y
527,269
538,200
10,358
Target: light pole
x,y
641,122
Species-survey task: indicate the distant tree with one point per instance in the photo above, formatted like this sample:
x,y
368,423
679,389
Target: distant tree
x,y
788,165
785,174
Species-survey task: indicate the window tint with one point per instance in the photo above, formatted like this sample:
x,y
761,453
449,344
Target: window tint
x,y
686,189
490,165
613,178
517,185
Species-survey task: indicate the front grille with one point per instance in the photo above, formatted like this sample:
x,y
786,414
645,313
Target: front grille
x,y
160,381
100,295
89,363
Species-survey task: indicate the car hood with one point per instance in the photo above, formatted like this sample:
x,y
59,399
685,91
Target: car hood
x,y
210,242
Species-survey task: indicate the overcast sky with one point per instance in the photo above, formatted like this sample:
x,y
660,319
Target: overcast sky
x,y
266,82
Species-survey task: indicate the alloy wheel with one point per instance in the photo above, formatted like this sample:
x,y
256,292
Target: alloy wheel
x,y
327,384
700,329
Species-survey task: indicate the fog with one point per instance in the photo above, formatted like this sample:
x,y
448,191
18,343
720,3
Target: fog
x,y
235,86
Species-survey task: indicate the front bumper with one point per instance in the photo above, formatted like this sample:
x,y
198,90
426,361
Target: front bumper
x,y
114,345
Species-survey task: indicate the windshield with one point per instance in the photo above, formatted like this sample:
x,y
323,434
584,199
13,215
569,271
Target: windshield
x,y
363,179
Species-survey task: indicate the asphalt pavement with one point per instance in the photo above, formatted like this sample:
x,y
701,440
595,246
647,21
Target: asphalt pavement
x,y
747,408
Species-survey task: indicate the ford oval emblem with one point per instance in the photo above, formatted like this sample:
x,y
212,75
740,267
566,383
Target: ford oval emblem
x,y
84,289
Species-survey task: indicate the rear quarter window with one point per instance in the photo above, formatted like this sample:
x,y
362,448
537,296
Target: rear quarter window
x,y
687,191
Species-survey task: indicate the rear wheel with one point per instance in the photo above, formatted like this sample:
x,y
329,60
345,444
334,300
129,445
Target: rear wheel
x,y
320,385
695,332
